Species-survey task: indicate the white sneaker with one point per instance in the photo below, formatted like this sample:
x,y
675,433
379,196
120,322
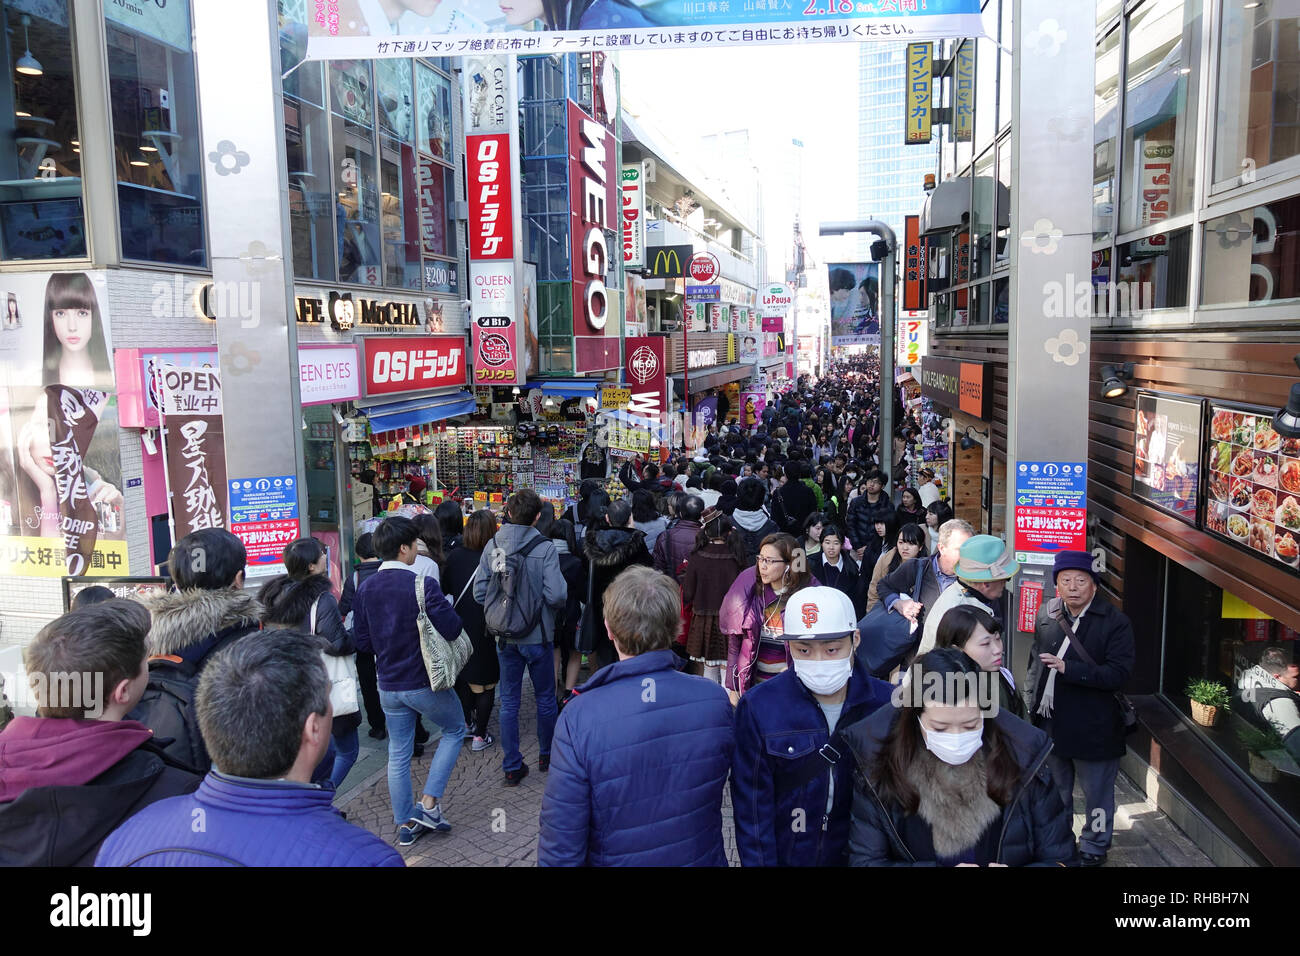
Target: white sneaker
x,y
482,743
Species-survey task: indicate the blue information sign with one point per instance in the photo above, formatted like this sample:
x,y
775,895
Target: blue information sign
x,y
703,293
271,498
1052,484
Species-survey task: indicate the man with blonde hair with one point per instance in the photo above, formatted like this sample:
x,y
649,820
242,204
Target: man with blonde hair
x,y
642,751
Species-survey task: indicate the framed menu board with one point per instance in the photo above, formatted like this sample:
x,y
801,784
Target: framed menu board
x,y
1166,460
139,588
1253,483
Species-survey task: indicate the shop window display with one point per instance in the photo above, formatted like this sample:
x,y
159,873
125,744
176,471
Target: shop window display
x,y
156,137
357,209
41,213
1154,273
1250,256
1213,634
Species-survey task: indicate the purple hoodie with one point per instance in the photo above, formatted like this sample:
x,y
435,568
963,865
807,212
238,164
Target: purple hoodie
x,y
62,752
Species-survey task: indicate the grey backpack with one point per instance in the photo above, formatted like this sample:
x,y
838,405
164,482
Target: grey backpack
x,y
512,606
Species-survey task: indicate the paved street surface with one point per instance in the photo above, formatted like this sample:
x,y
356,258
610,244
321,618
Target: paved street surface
x,y
496,825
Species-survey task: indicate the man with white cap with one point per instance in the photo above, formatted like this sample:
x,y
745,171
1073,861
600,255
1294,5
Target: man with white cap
x,y
985,566
791,788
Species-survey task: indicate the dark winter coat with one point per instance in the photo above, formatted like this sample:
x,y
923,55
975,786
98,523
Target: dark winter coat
x,y
710,572
791,506
636,776
363,570
384,621
612,552
188,628
482,667
1033,829
902,580
846,579
862,519
574,569
1086,722
674,546
288,603
780,729
754,527
65,785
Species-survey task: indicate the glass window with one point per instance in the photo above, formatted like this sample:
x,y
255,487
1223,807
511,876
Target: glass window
x,y
311,198
1008,42
986,92
981,304
1160,112
1214,635
400,211
942,311
555,325
982,216
156,134
1105,136
1002,249
41,215
396,99
1101,285
1155,270
1001,301
1108,10
433,113
1258,118
307,80
356,186
1251,256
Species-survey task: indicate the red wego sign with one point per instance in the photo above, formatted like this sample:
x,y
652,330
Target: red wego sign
x,y
704,267
647,376
409,364
594,203
491,218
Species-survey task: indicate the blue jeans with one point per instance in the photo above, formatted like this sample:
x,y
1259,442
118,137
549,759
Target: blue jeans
x,y
401,708
345,756
540,662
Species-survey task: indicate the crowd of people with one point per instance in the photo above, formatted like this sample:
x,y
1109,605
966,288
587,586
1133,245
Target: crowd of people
x,y
766,614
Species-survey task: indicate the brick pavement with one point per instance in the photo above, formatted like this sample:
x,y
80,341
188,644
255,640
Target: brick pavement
x,y
496,825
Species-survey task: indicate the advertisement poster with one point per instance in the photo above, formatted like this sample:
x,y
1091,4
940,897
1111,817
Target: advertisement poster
x,y
732,391
751,408
1166,460
749,348
706,411
194,448
1254,484
61,504
855,303
634,306
352,29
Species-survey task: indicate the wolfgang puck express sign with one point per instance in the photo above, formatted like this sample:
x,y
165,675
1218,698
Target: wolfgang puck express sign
x,y
963,386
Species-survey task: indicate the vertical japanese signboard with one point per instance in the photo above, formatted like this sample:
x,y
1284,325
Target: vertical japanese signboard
x,y
633,216
963,94
593,197
194,448
914,266
917,102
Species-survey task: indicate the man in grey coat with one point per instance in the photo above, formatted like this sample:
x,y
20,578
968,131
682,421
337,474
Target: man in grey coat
x,y
533,652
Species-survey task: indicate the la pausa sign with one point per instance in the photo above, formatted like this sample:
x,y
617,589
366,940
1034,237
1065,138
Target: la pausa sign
x,y
344,311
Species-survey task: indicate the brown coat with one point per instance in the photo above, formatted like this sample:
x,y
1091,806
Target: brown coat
x,y
710,572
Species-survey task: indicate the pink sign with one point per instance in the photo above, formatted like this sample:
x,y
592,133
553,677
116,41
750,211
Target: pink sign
x,y
265,540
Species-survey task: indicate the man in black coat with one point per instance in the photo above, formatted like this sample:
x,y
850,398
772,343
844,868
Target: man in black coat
x,y
1074,699
835,568
794,501
865,511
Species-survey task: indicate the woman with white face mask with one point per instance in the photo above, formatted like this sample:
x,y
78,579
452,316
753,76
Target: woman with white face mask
x,y
791,775
951,780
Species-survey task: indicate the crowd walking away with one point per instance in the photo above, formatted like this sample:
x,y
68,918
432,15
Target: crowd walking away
x,y
764,617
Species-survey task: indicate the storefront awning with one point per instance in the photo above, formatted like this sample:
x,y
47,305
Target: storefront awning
x,y
418,411
702,378
568,387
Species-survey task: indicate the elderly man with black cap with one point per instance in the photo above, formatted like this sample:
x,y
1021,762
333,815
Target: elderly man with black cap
x,y
985,566
1081,657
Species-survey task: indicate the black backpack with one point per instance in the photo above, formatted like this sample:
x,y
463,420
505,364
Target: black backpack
x,y
167,708
512,606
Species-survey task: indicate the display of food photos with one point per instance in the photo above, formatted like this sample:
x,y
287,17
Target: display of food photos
x,y
1253,484
1166,460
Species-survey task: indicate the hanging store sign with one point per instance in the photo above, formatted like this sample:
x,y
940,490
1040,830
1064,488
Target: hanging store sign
x,y
491,217
488,93
701,358
495,330
328,373
633,215
345,311
667,262
593,196
914,266
455,31
918,103
961,386
395,364
963,94
913,341
194,449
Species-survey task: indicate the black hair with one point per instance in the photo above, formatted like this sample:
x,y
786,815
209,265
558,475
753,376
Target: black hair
x,y
643,505
750,494
545,519
430,531
451,518
392,534
523,506
298,557
959,623
721,526
941,510
208,559
911,533
86,597
562,530
365,546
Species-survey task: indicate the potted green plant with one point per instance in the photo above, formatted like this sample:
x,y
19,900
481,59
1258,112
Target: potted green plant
x,y
1208,697
1258,742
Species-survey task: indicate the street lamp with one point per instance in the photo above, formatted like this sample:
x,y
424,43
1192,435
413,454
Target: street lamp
x,y
883,250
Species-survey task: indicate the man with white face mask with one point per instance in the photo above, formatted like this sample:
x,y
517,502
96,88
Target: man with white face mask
x,y
791,785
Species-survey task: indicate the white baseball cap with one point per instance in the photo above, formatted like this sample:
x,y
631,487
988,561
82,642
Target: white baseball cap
x,y
819,614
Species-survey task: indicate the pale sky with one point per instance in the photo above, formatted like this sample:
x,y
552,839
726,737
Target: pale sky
x,y
806,91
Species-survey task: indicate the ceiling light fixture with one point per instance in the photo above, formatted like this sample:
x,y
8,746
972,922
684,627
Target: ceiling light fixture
x,y
1114,379
148,149
967,442
139,162
27,64
22,114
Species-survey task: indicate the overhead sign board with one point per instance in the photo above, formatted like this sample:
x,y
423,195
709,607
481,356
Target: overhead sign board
x,y
668,262
961,386
918,103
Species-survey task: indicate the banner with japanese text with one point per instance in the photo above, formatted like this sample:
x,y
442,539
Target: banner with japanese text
x,y
357,29
194,448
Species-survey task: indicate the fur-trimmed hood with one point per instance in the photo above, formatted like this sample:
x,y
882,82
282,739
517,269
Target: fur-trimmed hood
x,y
187,618
615,546
287,602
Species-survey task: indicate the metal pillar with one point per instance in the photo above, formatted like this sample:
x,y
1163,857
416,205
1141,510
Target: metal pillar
x,y
246,200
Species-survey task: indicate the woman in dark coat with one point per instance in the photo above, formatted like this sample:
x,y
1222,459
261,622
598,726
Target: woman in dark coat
x,y
568,662
303,600
943,784
711,570
452,522
477,682
978,635
612,546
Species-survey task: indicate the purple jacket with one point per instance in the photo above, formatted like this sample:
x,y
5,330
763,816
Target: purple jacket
x,y
674,547
741,619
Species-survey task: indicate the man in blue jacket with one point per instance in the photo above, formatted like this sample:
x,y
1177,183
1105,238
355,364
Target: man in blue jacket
x,y
791,780
385,621
264,708
641,751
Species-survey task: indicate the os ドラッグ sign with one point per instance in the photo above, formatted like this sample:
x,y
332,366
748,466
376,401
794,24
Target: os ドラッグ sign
x,y
395,364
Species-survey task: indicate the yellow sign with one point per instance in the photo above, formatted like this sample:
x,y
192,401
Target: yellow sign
x,y
629,439
963,97
918,101
45,558
1234,608
731,348
480,497
615,398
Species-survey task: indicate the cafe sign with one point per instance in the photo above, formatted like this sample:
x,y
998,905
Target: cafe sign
x,y
961,386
